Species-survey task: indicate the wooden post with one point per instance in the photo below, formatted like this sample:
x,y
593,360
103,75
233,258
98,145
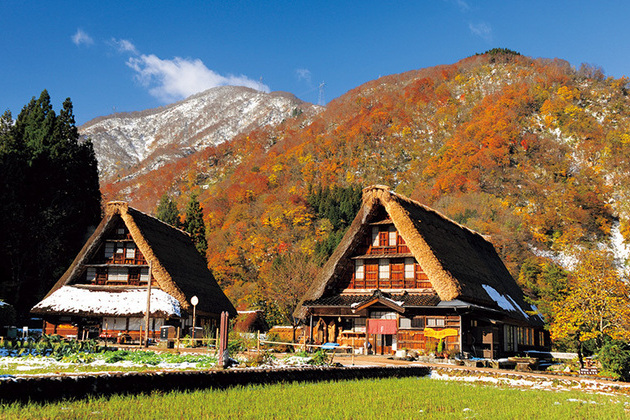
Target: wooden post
x,y
147,316
257,341
223,352
177,340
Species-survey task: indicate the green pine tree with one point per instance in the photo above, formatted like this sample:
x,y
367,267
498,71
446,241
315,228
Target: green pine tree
x,y
167,211
49,199
195,226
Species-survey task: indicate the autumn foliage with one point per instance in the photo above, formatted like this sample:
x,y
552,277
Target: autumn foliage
x,y
531,152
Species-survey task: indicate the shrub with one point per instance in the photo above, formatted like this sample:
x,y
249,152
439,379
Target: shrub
x,y
615,358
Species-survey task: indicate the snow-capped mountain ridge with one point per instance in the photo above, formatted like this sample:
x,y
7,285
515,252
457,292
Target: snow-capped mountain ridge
x,y
129,143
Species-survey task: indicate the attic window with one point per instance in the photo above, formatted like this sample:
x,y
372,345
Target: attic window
x,y
392,236
375,239
109,249
120,231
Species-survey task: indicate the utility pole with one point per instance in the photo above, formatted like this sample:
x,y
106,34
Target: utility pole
x,y
147,316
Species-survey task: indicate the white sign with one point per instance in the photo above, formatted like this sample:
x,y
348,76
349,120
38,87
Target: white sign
x,y
194,300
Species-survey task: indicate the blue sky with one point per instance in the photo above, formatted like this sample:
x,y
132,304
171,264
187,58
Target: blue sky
x,y
132,55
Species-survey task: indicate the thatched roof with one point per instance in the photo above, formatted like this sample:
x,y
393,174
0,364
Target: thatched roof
x,y
83,300
460,263
176,264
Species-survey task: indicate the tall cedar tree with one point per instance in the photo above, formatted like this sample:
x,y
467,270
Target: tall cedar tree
x,y
167,211
49,199
195,226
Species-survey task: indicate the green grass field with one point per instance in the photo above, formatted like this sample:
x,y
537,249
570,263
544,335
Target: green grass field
x,y
409,398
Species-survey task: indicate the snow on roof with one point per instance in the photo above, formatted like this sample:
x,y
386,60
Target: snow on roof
x,y
504,302
3,303
124,302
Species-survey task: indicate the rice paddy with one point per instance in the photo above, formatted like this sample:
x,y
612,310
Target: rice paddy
x,y
406,398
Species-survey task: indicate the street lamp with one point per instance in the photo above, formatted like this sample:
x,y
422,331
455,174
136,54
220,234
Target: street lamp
x,y
194,300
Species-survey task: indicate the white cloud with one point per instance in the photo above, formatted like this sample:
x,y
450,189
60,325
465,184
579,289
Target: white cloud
x,y
82,38
304,74
463,6
175,79
124,46
482,30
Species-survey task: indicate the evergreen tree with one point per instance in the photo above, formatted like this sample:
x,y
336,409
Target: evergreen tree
x,y
195,226
167,211
49,197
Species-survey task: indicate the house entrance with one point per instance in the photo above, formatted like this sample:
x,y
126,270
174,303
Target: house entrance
x,y
384,343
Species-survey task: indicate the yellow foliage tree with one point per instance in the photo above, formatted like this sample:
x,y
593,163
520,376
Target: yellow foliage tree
x,y
597,303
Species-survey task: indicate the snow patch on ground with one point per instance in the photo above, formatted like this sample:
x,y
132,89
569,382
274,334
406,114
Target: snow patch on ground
x,y
568,262
620,249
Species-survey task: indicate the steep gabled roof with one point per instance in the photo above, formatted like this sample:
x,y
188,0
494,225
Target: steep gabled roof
x,y
460,263
176,264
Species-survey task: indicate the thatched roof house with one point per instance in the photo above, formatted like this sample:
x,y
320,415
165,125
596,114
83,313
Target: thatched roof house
x,y
110,274
459,268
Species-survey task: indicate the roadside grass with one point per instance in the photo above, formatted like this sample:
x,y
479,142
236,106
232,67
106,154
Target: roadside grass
x,y
363,399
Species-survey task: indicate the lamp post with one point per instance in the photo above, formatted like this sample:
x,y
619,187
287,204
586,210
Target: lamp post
x,y
194,300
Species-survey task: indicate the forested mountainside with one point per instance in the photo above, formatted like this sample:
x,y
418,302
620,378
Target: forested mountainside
x,y
127,144
531,152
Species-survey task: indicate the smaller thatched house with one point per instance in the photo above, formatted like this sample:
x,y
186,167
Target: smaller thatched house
x,y
105,290
406,277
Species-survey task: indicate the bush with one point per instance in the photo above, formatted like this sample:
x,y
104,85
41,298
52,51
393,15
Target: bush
x,y
615,358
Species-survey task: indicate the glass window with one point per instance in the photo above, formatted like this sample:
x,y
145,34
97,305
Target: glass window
x,y
404,323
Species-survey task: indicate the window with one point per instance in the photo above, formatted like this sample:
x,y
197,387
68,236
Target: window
x,y
510,337
358,324
435,322
417,322
91,274
383,268
541,338
359,269
109,249
409,268
130,251
383,238
375,241
383,315
144,275
392,236
404,323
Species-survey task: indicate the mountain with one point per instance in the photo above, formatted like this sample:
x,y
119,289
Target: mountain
x,y
531,152
127,144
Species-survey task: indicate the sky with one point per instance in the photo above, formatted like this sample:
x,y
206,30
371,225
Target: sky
x,y
120,56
